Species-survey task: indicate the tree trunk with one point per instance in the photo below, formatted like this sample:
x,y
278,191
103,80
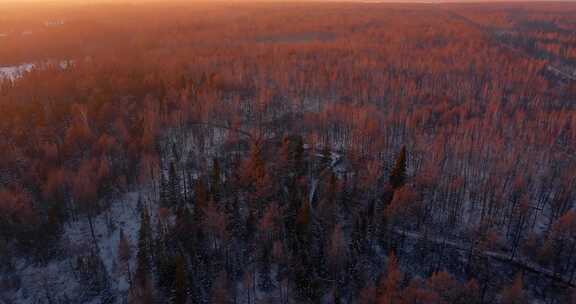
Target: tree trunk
x,y
91,224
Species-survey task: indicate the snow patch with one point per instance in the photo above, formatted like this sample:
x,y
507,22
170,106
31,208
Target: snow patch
x,y
57,280
54,23
16,71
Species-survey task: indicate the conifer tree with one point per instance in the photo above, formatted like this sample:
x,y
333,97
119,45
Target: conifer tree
x,y
143,255
200,200
265,282
164,191
292,152
180,294
257,168
235,226
398,174
215,181
174,192
326,157
303,221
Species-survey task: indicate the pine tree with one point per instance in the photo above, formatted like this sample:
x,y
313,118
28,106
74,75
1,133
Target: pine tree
x,y
326,157
235,226
215,181
184,225
174,191
398,174
292,153
180,294
265,282
164,191
53,223
257,168
251,226
143,255
200,200
303,221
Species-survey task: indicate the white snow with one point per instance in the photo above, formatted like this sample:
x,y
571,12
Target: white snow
x,y
58,279
124,215
560,73
16,71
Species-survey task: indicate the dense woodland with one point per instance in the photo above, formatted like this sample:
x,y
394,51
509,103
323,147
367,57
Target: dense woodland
x,y
289,153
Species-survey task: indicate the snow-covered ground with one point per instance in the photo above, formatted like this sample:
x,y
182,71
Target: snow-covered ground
x,y
563,74
123,214
16,71
58,280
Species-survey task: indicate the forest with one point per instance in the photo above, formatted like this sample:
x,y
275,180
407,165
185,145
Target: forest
x,y
370,153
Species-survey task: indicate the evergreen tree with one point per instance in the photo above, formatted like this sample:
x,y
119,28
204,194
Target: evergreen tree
x,y
265,282
215,181
326,157
164,191
251,226
235,226
256,166
180,279
174,191
143,255
303,223
292,153
163,260
200,201
398,174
